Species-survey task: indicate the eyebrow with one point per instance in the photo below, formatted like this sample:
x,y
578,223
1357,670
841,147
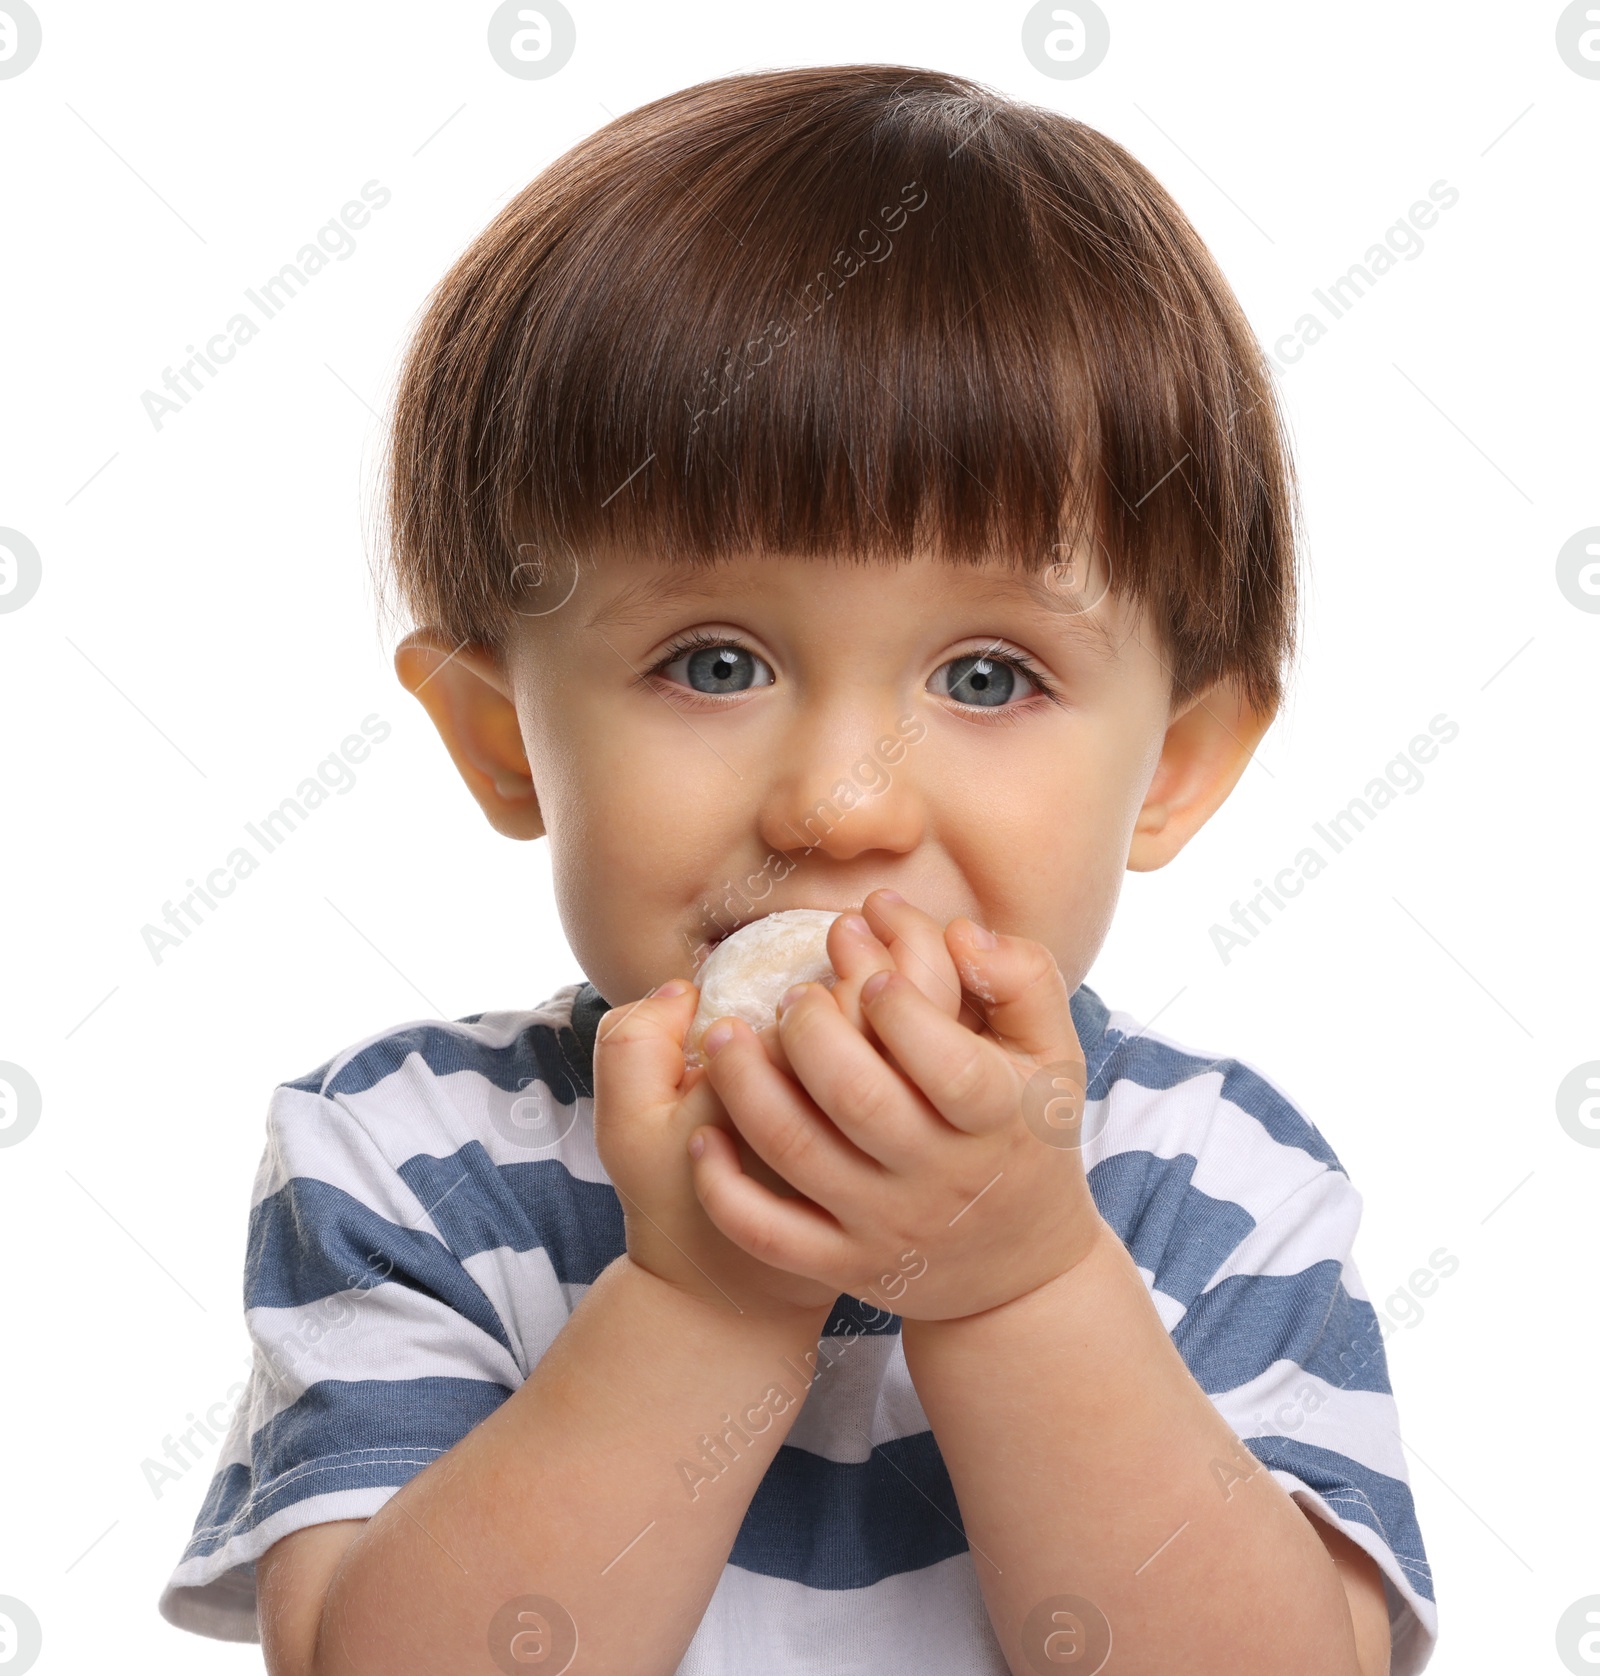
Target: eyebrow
x,y
1092,630
638,600
650,593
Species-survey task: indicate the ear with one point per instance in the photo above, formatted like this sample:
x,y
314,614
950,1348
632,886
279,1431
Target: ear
x,y
466,693
1208,743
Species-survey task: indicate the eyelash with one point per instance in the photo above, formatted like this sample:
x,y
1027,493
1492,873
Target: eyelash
x,y
1006,716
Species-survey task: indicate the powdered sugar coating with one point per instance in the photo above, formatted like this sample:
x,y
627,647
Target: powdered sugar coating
x,y
746,974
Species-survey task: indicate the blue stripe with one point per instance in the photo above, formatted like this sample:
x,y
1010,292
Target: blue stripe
x,y
342,1435
540,1053
1170,1227
1089,1016
847,1525
478,1205
854,1317
1357,1493
1236,1331
1157,1066
308,1241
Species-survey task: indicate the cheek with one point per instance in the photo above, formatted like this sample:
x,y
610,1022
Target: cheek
x,y
630,831
1048,853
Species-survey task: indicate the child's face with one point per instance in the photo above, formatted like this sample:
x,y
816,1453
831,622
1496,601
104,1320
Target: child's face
x,y
832,754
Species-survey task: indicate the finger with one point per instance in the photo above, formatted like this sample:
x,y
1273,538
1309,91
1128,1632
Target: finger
x,y
790,1234
862,1093
916,944
781,1123
969,1079
638,1048
855,953
1018,987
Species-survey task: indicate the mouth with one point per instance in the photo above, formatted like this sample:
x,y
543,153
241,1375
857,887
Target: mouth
x,y
817,907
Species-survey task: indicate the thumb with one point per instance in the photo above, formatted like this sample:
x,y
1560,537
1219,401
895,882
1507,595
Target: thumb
x,y
638,1049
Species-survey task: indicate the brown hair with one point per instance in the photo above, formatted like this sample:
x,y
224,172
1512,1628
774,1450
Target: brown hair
x,y
859,310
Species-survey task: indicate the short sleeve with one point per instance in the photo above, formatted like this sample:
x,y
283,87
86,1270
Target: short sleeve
x,y
1284,1340
374,1350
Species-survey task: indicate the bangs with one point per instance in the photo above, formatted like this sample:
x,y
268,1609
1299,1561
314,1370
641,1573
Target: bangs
x,y
863,312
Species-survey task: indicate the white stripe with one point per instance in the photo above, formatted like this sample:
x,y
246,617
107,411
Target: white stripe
x,y
309,1135
1315,1224
532,1304
206,1594
1286,1401
387,1331
919,1621
1236,1159
863,1399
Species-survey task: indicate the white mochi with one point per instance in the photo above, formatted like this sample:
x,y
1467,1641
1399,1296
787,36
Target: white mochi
x,y
746,974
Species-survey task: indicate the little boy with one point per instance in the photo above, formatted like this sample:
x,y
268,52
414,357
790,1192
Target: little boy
x,y
836,488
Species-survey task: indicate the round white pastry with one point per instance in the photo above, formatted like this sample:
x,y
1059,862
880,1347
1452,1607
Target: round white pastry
x,y
746,974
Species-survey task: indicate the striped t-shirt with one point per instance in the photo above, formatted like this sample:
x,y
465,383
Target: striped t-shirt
x,y
430,1208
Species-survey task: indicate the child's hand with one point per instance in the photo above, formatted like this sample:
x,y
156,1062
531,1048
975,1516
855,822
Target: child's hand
x,y
646,1105
949,1142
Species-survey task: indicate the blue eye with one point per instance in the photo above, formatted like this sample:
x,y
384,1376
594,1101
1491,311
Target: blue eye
x,y
715,666
984,681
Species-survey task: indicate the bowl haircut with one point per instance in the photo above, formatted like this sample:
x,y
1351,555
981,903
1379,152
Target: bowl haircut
x,y
858,312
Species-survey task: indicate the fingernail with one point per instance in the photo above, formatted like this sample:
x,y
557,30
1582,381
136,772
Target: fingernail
x,y
789,997
874,985
980,937
717,1037
697,1145
857,926
891,896
673,986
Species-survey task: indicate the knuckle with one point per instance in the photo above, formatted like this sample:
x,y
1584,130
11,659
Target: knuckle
x,y
862,1093
792,1145
968,1075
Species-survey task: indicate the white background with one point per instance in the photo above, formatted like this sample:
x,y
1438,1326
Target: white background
x,y
204,636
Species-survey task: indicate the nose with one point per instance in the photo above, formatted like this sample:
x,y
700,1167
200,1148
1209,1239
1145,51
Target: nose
x,y
842,782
